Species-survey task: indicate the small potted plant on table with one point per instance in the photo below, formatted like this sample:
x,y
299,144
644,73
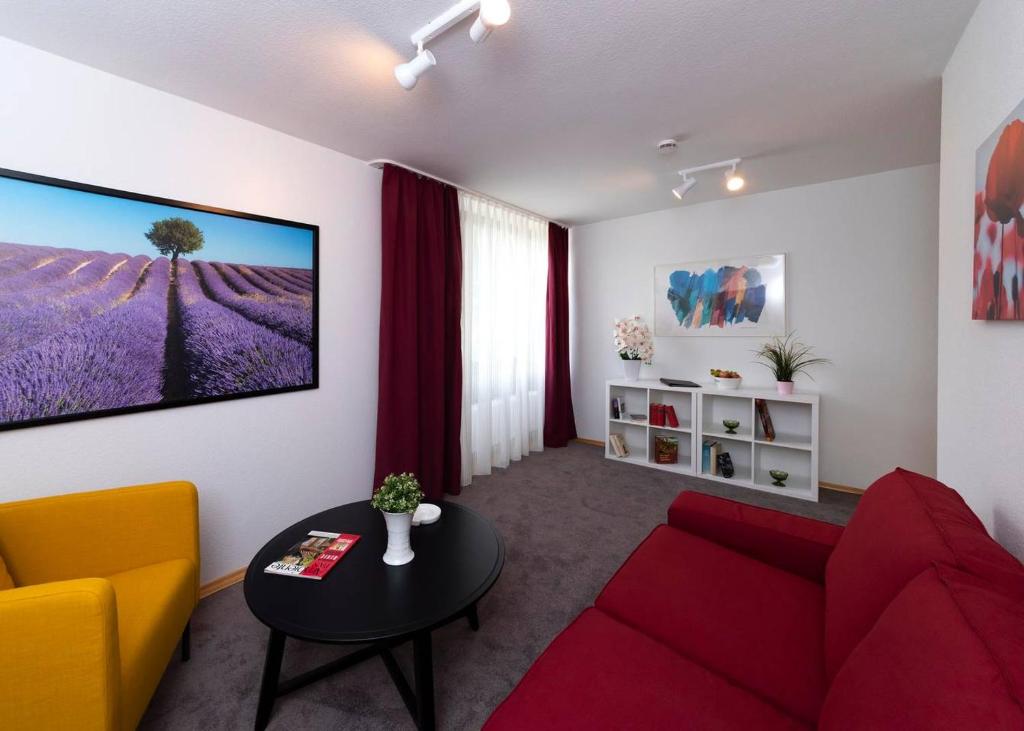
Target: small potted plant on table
x,y
785,357
398,499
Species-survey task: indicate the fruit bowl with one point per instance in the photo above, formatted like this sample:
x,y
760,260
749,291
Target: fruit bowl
x,y
780,477
726,380
730,425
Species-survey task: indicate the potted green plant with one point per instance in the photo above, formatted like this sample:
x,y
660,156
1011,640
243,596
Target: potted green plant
x,y
397,498
785,357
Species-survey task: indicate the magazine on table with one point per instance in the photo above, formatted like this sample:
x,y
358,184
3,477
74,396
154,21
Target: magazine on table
x,y
315,556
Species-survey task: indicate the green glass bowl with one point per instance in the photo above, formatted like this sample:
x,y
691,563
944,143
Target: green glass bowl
x,y
730,425
780,477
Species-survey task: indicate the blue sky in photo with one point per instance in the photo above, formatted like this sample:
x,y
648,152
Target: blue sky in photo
x,y
45,215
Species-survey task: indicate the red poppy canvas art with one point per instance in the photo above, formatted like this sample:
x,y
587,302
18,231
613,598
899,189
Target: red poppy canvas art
x,y
999,223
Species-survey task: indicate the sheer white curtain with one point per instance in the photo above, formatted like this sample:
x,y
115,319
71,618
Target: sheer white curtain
x,y
504,290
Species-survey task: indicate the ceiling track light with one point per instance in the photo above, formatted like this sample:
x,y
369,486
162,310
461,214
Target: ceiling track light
x,y
734,182
490,15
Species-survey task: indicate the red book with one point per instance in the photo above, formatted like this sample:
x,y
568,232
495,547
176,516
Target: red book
x,y
657,415
673,420
314,557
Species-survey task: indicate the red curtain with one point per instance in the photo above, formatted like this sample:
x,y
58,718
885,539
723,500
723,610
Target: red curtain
x,y
419,408
559,421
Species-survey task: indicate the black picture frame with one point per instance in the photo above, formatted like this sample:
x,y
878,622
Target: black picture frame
x,y
314,345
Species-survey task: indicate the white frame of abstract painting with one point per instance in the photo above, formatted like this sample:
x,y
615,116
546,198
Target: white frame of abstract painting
x,y
772,317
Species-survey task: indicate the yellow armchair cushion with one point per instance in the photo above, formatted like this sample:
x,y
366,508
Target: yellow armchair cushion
x,y
6,582
153,605
59,657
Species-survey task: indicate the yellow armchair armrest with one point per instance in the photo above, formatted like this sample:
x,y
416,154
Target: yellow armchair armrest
x,y
99,533
59,662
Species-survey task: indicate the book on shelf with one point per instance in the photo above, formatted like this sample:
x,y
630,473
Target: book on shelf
x,y
766,419
615,409
657,417
666,450
638,418
315,556
618,445
670,416
710,450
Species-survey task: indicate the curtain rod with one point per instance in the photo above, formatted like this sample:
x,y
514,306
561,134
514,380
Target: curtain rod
x,y
381,162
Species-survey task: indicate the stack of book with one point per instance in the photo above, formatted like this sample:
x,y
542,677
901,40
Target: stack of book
x,y
618,445
709,456
664,415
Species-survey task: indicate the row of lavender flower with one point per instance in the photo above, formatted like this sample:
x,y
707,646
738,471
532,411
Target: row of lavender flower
x,y
85,331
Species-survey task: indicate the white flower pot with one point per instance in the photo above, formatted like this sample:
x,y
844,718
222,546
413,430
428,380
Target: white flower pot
x,y
399,549
632,369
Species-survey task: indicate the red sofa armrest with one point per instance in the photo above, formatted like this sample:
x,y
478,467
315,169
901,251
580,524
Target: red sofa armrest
x,y
798,545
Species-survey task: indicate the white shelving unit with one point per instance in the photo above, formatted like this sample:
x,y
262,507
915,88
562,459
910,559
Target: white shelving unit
x,y
701,412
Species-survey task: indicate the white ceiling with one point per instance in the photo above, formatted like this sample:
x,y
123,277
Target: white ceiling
x,y
560,110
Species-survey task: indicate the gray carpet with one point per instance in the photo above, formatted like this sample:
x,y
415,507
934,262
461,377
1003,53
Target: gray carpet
x,y
569,518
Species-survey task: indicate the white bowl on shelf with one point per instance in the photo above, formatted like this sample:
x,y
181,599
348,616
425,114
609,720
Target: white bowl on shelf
x,y
727,384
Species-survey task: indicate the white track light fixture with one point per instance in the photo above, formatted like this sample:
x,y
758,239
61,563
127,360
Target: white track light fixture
x,y
683,189
734,182
409,73
492,13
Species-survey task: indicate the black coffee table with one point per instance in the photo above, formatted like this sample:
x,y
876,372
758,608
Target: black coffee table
x,y
365,601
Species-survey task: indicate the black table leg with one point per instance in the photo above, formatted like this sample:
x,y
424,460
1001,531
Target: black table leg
x,y
186,642
473,617
271,673
423,671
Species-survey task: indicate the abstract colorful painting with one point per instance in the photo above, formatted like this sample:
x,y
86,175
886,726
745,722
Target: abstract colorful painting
x,y
998,223
112,302
730,297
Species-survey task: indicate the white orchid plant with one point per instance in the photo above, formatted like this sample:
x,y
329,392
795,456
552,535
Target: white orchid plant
x,y
633,339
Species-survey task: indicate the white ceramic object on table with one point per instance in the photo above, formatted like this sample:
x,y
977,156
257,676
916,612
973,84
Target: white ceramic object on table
x,y
426,514
727,384
631,368
399,548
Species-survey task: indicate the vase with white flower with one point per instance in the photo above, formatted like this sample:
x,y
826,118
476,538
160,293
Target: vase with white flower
x,y
634,344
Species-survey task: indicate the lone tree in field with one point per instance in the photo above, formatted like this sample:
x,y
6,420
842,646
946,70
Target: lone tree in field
x,y
174,236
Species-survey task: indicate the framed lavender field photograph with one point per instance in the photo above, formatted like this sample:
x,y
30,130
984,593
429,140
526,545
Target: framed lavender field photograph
x,y
114,302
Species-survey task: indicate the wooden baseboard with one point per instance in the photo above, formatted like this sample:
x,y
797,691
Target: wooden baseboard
x,y
840,488
592,442
212,587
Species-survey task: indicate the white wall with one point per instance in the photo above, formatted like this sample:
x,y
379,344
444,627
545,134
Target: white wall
x,y
981,364
260,463
861,288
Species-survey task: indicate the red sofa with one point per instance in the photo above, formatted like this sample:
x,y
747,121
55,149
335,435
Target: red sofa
x,y
736,617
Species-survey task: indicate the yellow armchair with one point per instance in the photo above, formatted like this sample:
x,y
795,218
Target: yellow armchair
x,y
105,583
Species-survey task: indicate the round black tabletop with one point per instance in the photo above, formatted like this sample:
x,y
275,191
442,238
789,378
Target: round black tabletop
x,y
362,599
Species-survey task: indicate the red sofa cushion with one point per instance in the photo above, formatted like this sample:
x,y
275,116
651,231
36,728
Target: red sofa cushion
x,y
799,545
903,524
599,674
757,625
946,654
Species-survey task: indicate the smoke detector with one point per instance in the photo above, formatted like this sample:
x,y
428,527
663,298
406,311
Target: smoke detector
x,y
667,147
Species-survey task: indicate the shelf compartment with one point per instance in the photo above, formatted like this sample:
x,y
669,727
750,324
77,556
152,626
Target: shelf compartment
x,y
740,452
635,436
775,457
791,420
681,401
685,459
635,398
718,407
